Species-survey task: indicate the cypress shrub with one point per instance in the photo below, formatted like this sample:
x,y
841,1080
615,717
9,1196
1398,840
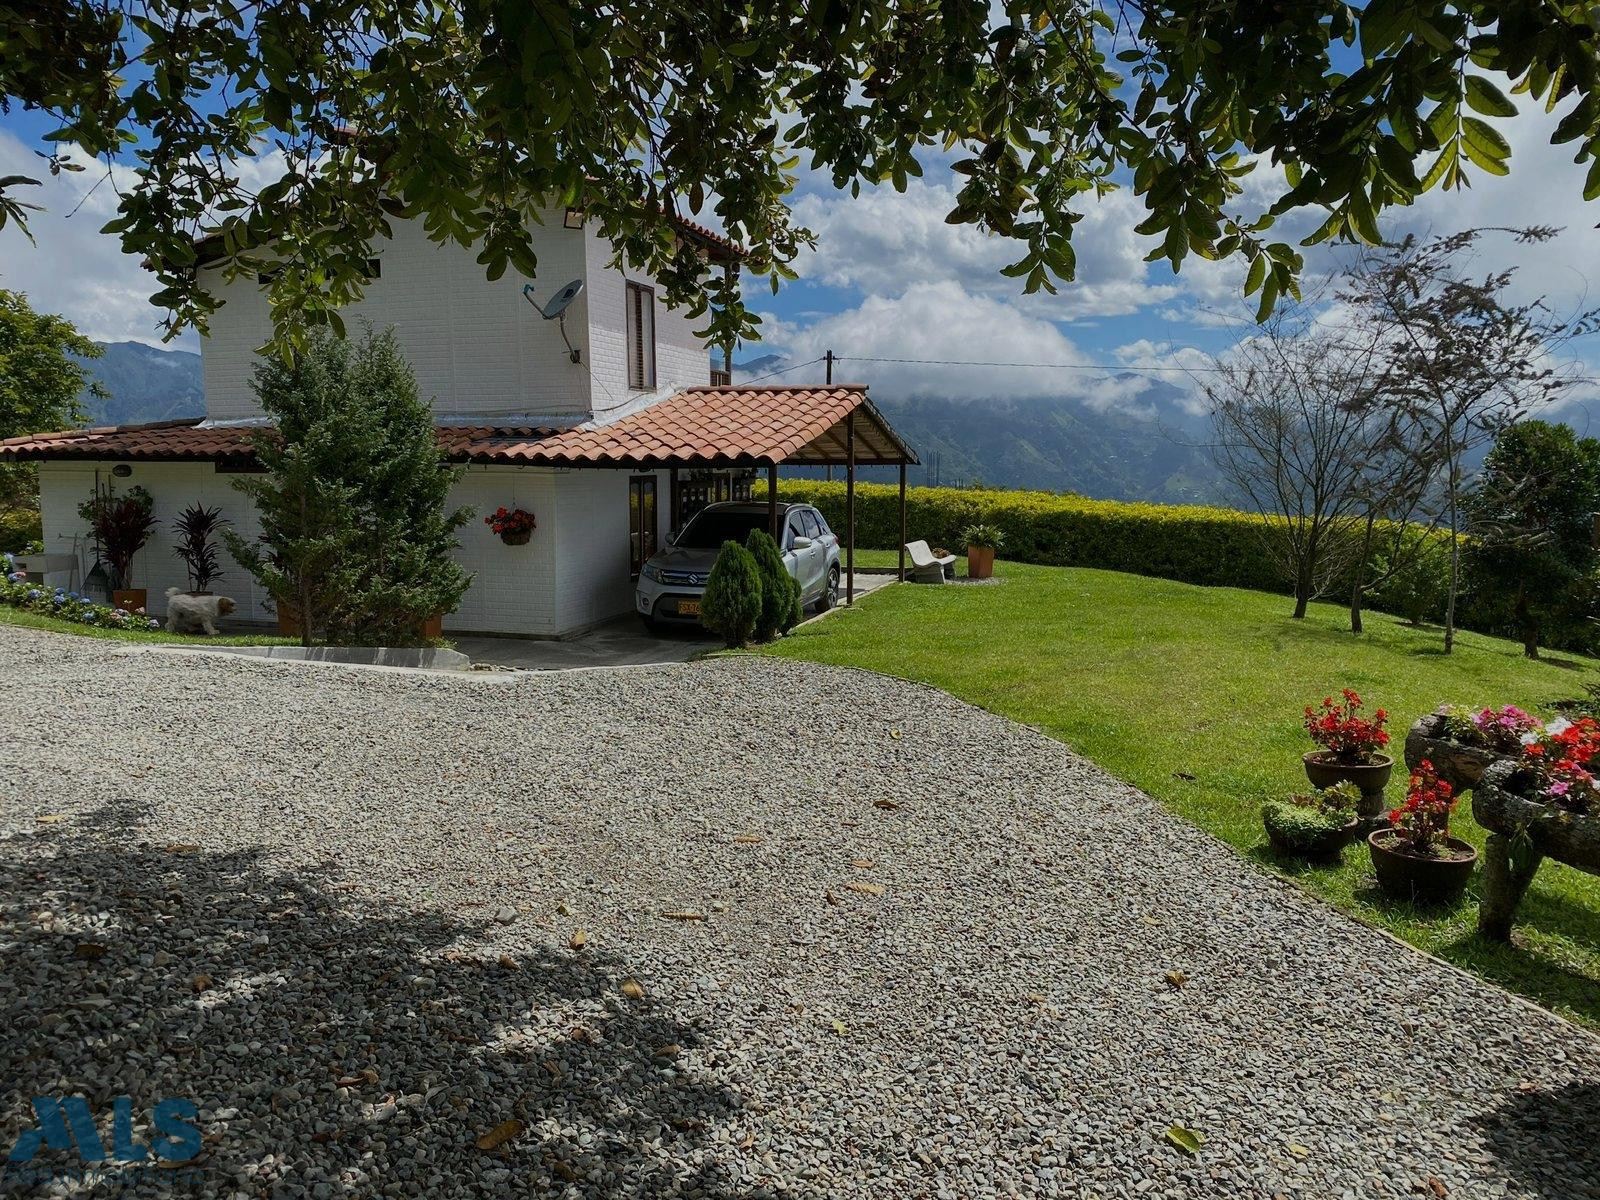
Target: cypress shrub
x,y
731,606
779,589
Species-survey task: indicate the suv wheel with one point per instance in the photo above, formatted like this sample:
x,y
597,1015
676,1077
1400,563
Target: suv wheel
x,y
830,594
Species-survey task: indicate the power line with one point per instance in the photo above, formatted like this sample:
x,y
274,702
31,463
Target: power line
x,y
782,371
966,362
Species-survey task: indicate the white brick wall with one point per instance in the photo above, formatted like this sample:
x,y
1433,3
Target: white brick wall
x,y
478,348
572,574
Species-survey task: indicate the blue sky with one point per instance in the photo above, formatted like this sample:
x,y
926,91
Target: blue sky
x,y
889,279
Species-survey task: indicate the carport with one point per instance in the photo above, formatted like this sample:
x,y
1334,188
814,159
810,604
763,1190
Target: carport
x,y
732,428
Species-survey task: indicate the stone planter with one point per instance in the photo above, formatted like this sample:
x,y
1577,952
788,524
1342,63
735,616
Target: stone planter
x,y
1522,834
1459,765
1418,877
1324,770
1327,848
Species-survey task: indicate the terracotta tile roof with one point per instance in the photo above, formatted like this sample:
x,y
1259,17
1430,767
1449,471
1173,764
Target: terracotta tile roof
x,y
704,426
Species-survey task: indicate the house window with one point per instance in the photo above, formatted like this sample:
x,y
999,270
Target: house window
x,y
641,520
641,337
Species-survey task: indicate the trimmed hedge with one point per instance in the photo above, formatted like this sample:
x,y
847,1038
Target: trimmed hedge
x,y
1213,546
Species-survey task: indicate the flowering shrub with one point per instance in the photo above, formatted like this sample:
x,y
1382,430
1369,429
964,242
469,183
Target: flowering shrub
x,y
17,592
1561,758
1340,729
1500,729
513,520
1424,818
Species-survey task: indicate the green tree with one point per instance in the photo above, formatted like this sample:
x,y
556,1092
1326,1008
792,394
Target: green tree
x,y
41,378
731,606
780,591
1532,516
477,113
356,536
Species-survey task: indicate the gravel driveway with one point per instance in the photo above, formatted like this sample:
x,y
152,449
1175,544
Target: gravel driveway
x,y
363,919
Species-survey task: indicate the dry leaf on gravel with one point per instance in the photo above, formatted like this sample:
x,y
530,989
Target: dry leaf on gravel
x,y
508,962
578,940
747,839
1187,1140
201,982
1436,1187
866,889
669,1051
633,989
891,805
1176,978
500,1134
50,818
89,950
862,864
182,848
684,914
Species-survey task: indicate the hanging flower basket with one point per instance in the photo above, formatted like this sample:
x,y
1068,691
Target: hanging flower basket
x,y
514,526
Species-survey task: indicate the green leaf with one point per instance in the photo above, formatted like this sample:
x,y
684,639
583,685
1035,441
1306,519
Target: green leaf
x,y
1484,97
1187,1140
1485,146
1258,272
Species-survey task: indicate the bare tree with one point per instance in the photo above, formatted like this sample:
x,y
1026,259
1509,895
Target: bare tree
x,y
1454,357
1292,439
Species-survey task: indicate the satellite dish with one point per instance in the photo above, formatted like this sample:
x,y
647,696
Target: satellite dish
x,y
556,309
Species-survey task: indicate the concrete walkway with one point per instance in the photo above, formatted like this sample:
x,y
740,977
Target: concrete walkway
x,y
619,643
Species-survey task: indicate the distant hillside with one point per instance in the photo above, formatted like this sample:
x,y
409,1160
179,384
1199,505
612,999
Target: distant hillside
x,y
146,384
1145,446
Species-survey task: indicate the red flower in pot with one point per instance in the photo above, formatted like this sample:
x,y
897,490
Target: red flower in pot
x,y
1351,749
1416,858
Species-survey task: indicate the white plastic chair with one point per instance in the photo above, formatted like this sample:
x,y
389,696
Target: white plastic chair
x,y
926,566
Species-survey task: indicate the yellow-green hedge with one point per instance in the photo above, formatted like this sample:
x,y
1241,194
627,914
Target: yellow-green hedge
x,y
1212,546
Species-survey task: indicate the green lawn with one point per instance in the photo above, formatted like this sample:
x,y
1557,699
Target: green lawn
x,y
28,620
1160,682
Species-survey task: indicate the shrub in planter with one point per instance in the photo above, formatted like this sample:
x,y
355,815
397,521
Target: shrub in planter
x,y
780,591
195,531
982,541
731,605
1351,749
1416,858
1316,827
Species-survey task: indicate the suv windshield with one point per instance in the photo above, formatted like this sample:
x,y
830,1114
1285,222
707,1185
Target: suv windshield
x,y
710,529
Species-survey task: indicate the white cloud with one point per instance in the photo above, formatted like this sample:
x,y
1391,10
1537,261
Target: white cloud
x,y
930,324
74,269
883,242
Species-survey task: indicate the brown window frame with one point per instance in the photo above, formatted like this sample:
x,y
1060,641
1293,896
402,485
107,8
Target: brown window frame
x,y
635,297
643,535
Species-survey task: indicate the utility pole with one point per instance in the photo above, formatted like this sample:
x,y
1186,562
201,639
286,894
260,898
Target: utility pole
x,y
828,358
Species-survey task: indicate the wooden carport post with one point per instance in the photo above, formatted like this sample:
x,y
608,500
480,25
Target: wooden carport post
x,y
772,503
850,508
902,520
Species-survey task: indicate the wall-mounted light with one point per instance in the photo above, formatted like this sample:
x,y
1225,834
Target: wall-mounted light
x,y
573,219
122,470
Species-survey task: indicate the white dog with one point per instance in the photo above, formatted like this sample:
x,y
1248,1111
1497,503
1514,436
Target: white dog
x,y
195,614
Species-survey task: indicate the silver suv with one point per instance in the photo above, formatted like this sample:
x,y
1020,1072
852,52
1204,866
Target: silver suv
x,y
673,580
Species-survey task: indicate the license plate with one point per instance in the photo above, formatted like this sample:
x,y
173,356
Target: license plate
x,y
688,608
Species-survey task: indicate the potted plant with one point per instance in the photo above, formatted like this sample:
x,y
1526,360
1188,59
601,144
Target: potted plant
x,y
121,526
1462,743
513,525
1544,805
1351,748
1316,827
981,541
194,531
1416,858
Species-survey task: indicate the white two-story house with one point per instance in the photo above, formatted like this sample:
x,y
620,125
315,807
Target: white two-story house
x,y
610,447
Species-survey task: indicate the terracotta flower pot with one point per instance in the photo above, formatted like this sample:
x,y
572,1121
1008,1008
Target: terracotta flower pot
x,y
1324,770
980,562
288,622
130,599
516,537
433,627
1427,880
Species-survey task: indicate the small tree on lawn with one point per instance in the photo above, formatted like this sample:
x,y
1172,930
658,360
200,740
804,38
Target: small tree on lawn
x,y
1457,358
731,606
356,538
1533,521
780,591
